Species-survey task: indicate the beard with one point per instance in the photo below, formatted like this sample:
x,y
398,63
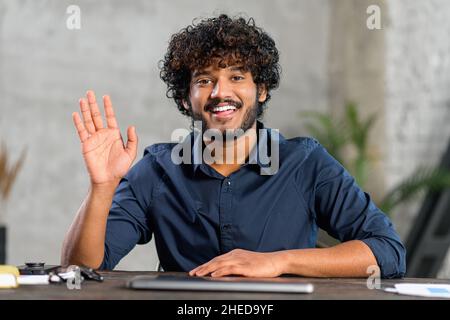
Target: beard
x,y
249,119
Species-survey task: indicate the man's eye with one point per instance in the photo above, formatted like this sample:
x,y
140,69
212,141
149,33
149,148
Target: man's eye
x,y
203,81
237,78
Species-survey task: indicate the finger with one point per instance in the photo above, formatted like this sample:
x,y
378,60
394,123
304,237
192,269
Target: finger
x,y
212,268
205,265
86,113
193,271
226,271
82,133
95,112
218,259
109,113
132,142
200,271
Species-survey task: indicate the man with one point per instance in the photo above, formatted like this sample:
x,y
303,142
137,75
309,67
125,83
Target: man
x,y
224,217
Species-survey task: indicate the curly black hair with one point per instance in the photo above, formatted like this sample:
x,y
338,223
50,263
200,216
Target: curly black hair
x,y
232,41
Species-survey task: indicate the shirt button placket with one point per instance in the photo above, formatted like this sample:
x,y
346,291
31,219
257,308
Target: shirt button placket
x,y
226,228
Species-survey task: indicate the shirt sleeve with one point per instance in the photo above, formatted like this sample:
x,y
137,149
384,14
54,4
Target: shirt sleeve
x,y
128,221
347,213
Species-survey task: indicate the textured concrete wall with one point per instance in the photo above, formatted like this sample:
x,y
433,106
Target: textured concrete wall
x,y
418,95
44,68
418,82
357,74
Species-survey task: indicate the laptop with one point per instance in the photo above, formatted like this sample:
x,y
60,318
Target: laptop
x,y
236,284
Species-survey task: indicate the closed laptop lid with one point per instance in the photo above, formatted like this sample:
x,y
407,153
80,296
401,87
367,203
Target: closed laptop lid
x,y
241,284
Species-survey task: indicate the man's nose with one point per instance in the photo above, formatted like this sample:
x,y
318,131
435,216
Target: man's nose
x,y
221,90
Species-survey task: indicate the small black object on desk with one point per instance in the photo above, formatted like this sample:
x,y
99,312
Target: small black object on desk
x,y
40,268
36,268
90,274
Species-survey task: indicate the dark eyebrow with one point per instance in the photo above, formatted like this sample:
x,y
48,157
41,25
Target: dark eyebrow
x,y
197,73
237,68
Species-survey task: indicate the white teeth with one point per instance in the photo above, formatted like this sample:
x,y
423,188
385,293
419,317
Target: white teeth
x,y
224,108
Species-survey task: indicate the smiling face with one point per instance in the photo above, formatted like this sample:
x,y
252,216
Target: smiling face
x,y
224,98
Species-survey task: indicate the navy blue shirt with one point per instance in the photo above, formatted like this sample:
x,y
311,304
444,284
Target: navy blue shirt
x,y
196,214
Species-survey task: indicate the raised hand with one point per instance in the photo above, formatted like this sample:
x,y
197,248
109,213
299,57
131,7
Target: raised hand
x,y
106,156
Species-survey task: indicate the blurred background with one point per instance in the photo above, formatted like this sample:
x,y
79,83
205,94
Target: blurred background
x,y
371,83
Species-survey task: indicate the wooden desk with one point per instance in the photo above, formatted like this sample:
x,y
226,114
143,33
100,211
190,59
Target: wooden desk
x,y
113,287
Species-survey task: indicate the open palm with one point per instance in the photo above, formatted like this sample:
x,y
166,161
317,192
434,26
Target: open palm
x,y
106,156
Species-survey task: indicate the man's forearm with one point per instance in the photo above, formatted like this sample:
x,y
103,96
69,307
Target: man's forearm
x,y
348,259
85,241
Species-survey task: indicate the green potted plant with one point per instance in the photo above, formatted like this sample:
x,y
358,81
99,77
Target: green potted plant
x,y
8,175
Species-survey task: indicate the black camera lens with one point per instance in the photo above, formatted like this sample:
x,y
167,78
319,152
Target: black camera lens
x,y
35,264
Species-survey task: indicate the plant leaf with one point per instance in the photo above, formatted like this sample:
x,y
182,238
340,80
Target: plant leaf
x,y
423,179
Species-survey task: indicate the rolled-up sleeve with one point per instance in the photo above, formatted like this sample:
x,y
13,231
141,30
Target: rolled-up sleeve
x,y
346,212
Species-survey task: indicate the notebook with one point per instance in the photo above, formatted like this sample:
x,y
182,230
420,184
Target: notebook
x,y
240,284
430,290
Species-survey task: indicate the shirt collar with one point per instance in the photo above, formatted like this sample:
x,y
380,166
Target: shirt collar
x,y
253,159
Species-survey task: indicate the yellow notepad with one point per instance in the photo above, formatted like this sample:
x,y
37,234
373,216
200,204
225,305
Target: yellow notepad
x,y
8,276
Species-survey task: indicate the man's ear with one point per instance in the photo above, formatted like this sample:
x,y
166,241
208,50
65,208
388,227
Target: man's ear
x,y
262,93
185,104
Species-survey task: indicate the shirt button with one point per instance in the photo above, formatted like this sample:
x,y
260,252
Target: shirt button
x,y
229,183
226,227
